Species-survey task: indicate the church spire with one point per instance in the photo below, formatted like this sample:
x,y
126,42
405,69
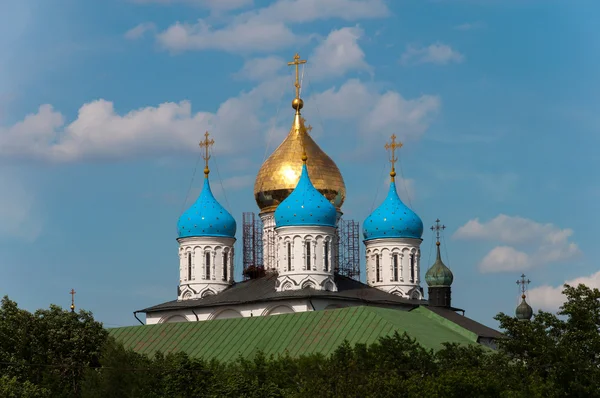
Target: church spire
x,y
524,312
392,146
72,293
206,144
297,102
439,278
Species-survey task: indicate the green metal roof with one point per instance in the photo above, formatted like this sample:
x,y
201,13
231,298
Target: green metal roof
x,y
300,333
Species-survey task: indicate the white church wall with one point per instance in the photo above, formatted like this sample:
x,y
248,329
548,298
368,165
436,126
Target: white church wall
x,y
226,312
205,266
393,265
306,257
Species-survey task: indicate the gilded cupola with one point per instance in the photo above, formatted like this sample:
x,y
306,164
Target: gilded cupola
x,y
280,173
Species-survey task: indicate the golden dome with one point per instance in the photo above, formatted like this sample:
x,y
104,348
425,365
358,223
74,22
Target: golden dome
x,y
280,173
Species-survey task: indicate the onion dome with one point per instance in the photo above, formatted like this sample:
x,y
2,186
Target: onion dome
x,y
439,274
524,311
206,217
392,219
279,174
305,206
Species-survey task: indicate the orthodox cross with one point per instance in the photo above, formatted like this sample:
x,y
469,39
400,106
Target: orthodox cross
x,y
206,144
523,284
72,293
392,146
297,61
437,228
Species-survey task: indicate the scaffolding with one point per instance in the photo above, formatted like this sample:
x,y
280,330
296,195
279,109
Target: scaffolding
x,y
348,252
253,245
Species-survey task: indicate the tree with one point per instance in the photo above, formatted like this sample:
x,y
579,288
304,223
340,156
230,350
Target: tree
x,y
563,350
50,348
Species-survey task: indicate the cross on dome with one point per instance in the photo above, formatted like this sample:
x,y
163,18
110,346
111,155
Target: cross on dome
x,y
392,146
524,312
437,228
206,144
523,284
297,62
72,293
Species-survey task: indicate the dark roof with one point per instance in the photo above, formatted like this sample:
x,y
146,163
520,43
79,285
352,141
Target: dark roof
x,y
467,323
263,289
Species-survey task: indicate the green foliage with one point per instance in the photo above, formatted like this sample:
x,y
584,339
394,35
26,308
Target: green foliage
x,y
12,387
550,356
563,350
49,349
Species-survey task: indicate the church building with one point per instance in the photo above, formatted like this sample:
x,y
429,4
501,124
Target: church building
x,y
300,192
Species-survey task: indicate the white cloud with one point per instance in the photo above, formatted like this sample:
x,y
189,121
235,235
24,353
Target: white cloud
x,y
261,68
505,258
302,11
378,113
99,131
470,26
545,243
266,28
139,31
338,53
222,5
245,37
550,298
437,53
20,217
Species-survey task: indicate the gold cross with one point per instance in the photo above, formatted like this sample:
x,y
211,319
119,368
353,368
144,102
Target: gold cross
x,y
72,293
206,144
392,146
297,61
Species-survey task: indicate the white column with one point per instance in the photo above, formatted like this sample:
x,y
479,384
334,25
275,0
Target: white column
x,y
213,265
314,255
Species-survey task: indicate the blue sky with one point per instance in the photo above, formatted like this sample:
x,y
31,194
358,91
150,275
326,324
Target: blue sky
x,y
102,105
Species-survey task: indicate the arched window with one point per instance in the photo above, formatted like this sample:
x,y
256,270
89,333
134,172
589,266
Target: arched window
x,y
378,268
308,255
326,252
207,264
412,267
189,267
225,265
395,267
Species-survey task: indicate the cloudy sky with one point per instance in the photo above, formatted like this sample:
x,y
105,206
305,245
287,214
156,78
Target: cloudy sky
x,y
102,105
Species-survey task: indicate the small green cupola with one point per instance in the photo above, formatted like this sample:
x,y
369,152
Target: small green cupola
x,y
439,274
524,312
439,278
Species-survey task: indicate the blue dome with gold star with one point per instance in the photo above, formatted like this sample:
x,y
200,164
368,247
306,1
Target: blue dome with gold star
x,y
393,219
206,217
305,206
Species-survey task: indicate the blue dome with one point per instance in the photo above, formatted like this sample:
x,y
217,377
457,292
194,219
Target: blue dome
x,y
392,219
206,217
305,206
